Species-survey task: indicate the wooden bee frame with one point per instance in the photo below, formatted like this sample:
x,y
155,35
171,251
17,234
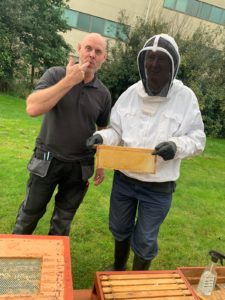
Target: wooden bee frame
x,y
139,160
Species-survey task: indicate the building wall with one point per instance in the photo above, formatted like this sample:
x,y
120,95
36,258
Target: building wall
x,y
219,3
146,9
107,10
180,22
110,9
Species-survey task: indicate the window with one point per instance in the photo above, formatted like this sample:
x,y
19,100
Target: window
x,y
197,8
110,29
223,18
193,7
204,11
97,25
83,22
90,23
216,14
181,5
121,32
71,16
170,3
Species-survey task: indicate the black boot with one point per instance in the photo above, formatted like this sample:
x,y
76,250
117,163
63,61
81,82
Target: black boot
x,y
140,263
60,222
25,224
121,255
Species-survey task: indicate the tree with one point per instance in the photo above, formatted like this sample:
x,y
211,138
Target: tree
x,y
30,39
44,46
121,70
202,68
10,45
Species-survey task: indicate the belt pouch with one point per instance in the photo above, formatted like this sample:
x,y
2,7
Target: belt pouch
x,y
38,166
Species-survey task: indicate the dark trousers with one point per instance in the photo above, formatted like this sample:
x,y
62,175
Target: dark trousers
x,y
136,213
71,191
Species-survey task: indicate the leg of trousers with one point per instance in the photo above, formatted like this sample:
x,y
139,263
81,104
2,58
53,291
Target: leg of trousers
x,y
60,222
71,191
127,199
26,223
39,193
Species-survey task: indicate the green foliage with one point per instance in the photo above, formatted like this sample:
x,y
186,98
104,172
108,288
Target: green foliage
x,y
30,39
194,225
30,42
121,71
10,46
202,68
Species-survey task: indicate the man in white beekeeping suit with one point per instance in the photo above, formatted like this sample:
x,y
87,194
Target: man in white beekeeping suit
x,y
161,113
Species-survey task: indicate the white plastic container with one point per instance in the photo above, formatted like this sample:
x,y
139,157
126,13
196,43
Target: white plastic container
x,y
207,281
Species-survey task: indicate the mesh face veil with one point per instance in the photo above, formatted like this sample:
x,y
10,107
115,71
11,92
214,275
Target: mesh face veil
x,y
165,45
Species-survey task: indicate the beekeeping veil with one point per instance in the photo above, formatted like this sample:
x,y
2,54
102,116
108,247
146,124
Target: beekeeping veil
x,y
167,45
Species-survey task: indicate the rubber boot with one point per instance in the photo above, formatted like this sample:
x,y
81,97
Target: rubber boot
x,y
121,255
140,263
26,224
60,222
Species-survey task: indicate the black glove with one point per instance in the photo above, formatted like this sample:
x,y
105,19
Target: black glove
x,y
93,140
166,150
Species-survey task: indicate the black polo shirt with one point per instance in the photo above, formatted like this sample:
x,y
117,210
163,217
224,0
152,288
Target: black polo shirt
x,y
66,127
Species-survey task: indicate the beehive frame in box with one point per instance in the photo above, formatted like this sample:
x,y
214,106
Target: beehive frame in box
x,y
35,267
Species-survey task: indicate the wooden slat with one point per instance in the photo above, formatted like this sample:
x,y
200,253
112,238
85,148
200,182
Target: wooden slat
x,y
195,280
165,298
155,287
128,282
139,276
124,158
147,294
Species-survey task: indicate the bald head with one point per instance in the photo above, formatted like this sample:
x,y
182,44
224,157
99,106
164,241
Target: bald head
x,y
96,37
92,49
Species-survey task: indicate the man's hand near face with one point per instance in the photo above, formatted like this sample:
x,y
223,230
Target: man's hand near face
x,y
75,72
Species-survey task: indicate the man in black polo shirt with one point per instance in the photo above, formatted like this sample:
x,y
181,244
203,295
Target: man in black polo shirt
x,y
73,101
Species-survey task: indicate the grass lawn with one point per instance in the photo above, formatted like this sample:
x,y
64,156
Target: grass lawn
x,y
195,224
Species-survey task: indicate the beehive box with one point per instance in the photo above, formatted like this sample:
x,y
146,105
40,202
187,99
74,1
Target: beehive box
x,y
35,267
151,285
138,160
193,274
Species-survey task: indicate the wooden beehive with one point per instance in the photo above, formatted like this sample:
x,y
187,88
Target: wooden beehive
x,y
138,160
35,267
152,285
193,274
